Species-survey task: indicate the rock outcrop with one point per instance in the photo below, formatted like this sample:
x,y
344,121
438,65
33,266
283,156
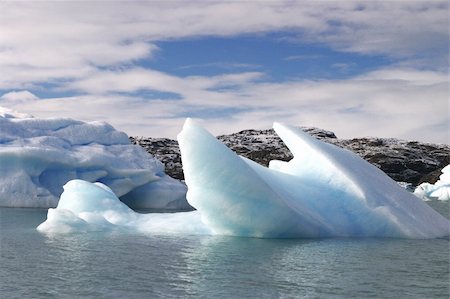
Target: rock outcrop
x,y
404,161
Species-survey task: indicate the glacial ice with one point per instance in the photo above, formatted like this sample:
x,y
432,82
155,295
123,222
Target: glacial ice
x,y
86,206
439,190
323,191
38,156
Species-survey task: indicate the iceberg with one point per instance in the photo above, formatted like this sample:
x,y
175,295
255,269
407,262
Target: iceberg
x,y
324,191
38,156
439,190
87,207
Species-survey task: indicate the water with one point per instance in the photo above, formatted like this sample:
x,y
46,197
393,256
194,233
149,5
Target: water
x,y
119,265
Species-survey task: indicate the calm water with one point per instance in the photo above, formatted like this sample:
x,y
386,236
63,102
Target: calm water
x,y
119,265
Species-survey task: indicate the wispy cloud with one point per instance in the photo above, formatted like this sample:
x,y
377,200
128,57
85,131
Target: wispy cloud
x,y
302,57
341,66
198,89
95,50
222,65
68,39
15,97
360,106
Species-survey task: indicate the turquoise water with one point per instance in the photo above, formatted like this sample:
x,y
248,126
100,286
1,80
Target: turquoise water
x,y
119,265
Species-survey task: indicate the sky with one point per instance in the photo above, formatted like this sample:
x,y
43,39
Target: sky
x,y
357,68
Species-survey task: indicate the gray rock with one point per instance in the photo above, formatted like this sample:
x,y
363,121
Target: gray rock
x,y
404,161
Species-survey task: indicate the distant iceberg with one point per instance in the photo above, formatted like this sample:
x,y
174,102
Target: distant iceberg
x,y
440,190
38,156
323,192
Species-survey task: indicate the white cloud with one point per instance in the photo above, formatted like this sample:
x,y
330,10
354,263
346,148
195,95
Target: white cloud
x,y
395,28
18,96
221,65
417,77
66,38
92,48
399,103
302,57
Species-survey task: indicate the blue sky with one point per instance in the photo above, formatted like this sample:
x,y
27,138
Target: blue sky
x,y
279,60
359,68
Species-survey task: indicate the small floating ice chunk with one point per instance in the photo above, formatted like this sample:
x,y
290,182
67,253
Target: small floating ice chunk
x,y
440,190
86,206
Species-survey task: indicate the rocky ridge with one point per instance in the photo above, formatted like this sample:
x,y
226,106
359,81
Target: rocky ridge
x,y
404,161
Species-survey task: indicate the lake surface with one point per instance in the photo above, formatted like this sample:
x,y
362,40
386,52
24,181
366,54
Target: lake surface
x,y
124,265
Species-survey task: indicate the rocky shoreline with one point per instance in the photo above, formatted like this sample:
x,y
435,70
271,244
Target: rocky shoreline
x,y
411,162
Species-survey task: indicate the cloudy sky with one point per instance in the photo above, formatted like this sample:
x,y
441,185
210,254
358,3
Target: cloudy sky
x,y
369,68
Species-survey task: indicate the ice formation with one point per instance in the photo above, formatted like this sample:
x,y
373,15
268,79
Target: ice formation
x,y
323,192
440,190
38,156
86,206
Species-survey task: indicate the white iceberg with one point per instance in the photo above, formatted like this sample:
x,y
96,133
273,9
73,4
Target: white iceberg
x,y
439,190
323,192
38,156
86,206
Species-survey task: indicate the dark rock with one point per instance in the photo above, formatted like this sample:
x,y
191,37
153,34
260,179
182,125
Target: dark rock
x,y
404,161
431,177
165,150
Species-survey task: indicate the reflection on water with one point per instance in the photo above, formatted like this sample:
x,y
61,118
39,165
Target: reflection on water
x,y
120,265
443,207
311,268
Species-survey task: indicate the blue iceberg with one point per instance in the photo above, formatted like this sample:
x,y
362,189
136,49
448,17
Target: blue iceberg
x,y
324,191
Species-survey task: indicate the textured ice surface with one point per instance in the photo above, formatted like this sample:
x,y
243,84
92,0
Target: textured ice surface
x,y
86,206
323,191
38,156
440,190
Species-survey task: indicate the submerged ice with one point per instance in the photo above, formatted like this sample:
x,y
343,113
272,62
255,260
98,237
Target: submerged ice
x,y
38,156
323,191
